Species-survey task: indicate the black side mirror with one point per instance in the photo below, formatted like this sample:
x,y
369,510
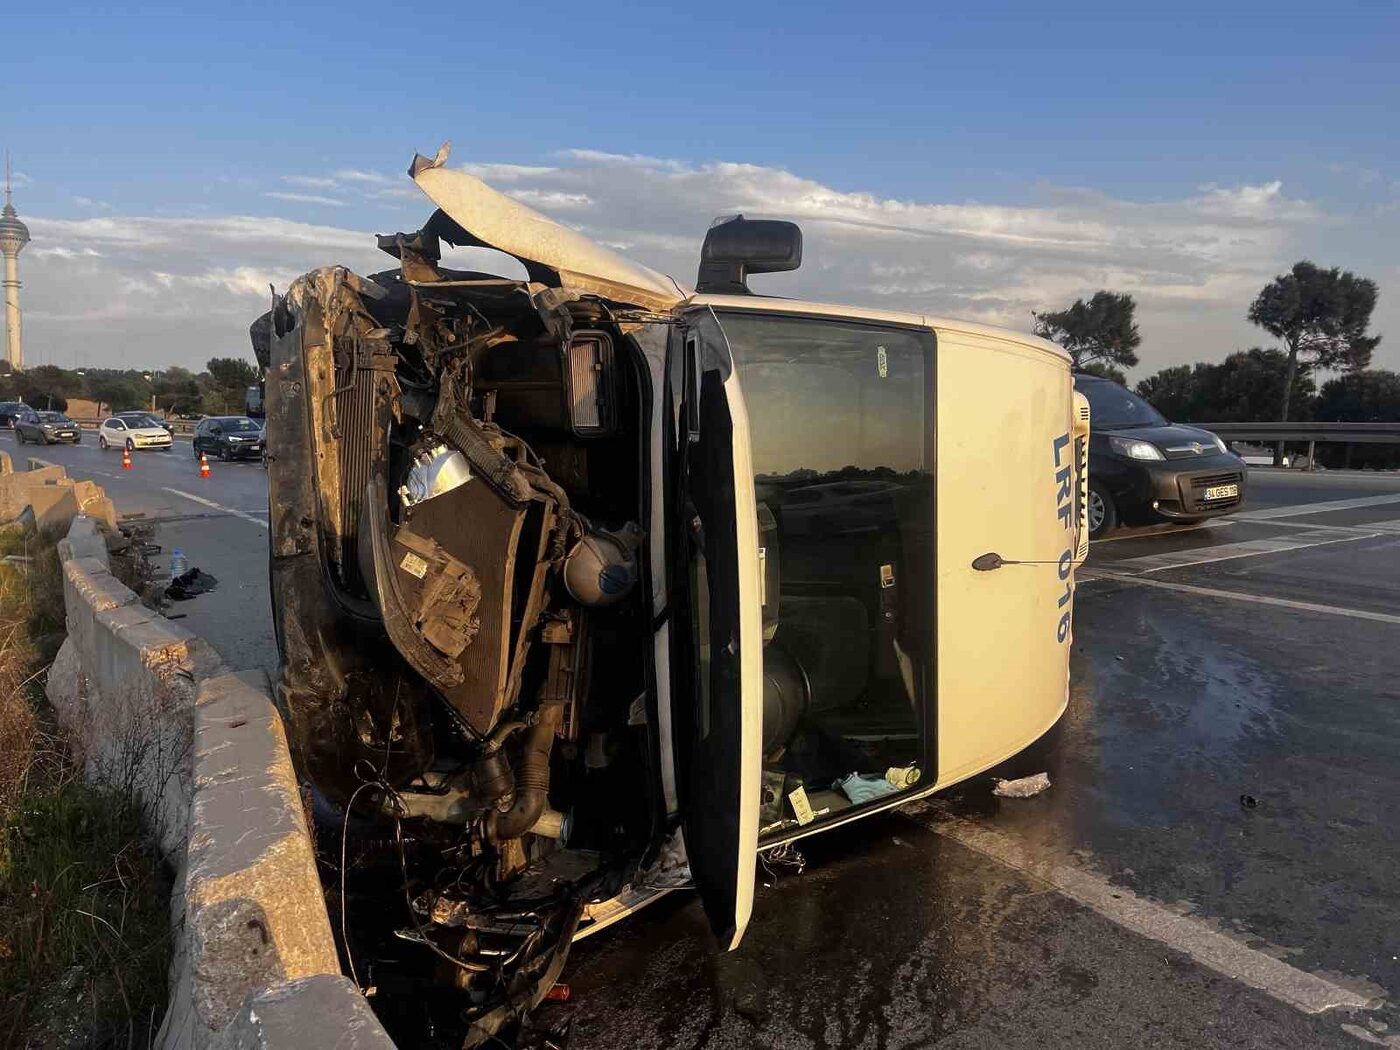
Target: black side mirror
x,y
736,247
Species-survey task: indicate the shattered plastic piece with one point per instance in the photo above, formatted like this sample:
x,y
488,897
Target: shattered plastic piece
x,y
1024,787
1249,801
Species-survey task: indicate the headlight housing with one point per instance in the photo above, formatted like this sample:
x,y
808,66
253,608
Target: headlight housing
x,y
1135,449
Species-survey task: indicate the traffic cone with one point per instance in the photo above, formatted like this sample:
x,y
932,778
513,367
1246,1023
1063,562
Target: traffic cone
x,y
203,465
126,459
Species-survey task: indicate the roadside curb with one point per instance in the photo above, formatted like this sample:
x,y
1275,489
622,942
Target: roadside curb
x,y
154,708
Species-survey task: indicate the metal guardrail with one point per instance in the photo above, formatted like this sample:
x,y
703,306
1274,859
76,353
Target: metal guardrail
x,y
1312,433
1338,433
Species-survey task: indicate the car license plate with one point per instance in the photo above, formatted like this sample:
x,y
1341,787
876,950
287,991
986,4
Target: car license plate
x,y
1222,492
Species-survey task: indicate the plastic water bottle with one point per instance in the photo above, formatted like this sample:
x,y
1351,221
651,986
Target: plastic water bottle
x,y
177,562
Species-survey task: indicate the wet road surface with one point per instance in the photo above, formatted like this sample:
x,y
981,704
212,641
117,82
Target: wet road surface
x,y
1228,760
972,921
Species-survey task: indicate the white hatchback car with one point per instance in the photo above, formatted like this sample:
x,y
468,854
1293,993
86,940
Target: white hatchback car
x,y
133,432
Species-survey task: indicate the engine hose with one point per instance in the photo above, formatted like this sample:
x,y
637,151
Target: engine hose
x,y
531,778
466,434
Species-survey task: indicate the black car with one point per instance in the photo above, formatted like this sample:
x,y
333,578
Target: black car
x,y
46,428
9,410
1144,469
229,437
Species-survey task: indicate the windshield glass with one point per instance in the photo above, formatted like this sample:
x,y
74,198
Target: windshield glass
x,y
840,418
239,424
53,417
137,419
1112,405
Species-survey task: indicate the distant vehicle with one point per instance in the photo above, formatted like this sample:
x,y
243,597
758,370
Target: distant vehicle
x,y
146,419
46,428
132,431
9,410
228,437
1144,469
253,401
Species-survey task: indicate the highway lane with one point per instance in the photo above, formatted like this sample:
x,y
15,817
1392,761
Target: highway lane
x,y
1227,768
220,523
902,932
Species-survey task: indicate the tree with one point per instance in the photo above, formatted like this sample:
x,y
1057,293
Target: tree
x,y
47,386
117,391
1321,316
1246,387
1100,332
228,381
1173,391
1361,397
176,390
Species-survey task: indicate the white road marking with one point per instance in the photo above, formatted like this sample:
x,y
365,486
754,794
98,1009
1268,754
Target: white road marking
x,y
1368,528
1258,599
1298,510
1163,530
1192,935
217,506
1319,537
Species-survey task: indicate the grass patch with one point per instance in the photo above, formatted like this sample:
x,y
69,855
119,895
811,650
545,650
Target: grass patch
x,y
83,900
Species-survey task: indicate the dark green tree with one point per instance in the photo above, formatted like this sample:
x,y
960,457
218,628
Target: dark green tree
x,y
1101,332
117,391
1246,387
47,386
1173,391
176,390
1362,397
228,380
1321,316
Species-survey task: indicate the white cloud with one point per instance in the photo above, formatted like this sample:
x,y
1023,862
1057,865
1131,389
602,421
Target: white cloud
x,y
305,198
189,286
371,177
311,182
552,200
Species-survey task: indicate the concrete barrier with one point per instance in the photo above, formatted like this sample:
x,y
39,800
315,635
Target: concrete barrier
x,y
45,497
154,710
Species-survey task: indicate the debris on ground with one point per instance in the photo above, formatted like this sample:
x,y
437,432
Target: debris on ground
x,y
189,584
1023,787
1249,801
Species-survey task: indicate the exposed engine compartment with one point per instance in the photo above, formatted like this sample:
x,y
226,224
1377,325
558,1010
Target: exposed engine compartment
x,y
458,470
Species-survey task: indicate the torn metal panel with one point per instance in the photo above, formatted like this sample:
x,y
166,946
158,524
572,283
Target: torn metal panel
x,y
494,220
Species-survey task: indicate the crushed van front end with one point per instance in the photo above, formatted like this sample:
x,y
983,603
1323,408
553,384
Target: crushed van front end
x,y
462,602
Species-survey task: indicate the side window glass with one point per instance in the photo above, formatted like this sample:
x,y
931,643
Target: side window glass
x,y
843,480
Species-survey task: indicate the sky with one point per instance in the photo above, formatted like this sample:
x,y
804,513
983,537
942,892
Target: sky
x,y
978,161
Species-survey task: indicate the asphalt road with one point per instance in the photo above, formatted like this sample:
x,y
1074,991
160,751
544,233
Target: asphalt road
x,y
220,523
1214,865
1058,921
